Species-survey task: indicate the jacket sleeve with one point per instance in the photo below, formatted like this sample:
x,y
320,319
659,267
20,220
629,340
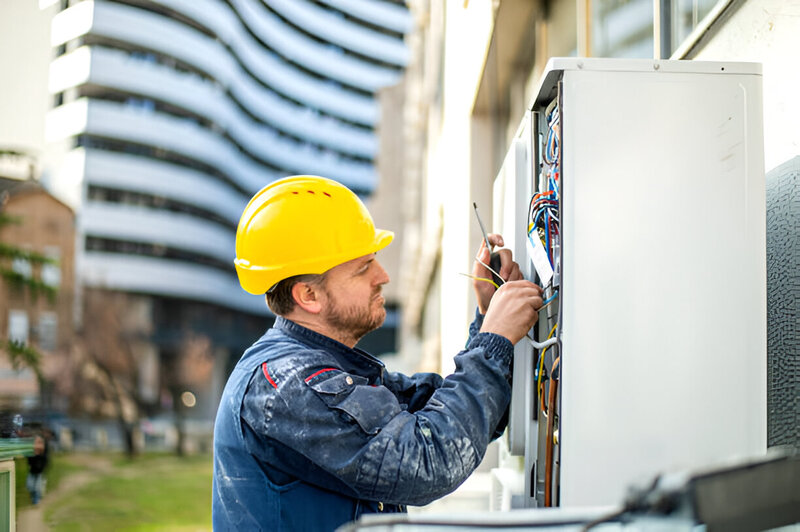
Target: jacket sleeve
x,y
361,435
475,326
412,392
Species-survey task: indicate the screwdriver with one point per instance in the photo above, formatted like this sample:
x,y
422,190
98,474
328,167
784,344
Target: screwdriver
x,y
494,261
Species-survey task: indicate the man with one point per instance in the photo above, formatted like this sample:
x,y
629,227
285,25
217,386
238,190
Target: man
x,y
312,432
36,466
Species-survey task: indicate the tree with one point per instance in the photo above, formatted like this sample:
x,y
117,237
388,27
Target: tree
x,y
101,377
190,367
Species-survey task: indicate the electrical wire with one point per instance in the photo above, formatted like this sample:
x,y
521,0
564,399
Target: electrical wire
x,y
549,443
549,299
490,269
544,220
541,364
480,279
542,345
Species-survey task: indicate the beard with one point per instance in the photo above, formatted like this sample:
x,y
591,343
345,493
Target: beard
x,y
354,320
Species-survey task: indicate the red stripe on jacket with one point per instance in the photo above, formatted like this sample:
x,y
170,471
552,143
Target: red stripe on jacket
x,y
266,374
320,372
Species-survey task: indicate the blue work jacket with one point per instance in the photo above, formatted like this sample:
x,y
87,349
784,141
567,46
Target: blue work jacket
x,y
310,434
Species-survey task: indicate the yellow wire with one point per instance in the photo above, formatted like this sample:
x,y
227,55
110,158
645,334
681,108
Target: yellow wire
x,y
541,366
490,269
480,279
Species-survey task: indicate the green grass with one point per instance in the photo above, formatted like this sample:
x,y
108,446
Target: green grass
x,y
56,470
152,492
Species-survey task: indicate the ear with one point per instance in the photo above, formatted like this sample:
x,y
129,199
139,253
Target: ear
x,y
307,297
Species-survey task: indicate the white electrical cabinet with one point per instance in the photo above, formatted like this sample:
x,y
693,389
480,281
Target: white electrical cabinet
x,y
643,182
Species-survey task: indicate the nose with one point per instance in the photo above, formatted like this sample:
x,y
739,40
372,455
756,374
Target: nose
x,y
381,276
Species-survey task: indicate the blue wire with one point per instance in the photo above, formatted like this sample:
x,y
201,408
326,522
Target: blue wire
x,y
549,299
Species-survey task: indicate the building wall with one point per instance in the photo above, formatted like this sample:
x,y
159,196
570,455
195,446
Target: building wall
x,y
47,227
470,77
767,32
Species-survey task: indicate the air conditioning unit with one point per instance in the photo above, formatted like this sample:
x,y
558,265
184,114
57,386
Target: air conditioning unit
x,y
634,192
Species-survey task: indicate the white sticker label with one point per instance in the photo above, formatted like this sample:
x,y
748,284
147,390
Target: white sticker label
x,y
539,258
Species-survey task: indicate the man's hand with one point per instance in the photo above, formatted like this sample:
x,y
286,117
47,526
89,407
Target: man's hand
x,y
513,310
509,271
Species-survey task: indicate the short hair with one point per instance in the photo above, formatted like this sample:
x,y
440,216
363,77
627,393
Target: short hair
x,y
279,297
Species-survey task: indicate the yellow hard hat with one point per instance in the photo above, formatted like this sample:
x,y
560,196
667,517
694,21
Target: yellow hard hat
x,y
301,225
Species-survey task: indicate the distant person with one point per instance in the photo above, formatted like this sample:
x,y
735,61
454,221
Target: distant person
x,y
312,432
36,466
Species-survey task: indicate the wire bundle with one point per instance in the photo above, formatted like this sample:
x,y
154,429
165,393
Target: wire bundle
x,y
543,210
544,223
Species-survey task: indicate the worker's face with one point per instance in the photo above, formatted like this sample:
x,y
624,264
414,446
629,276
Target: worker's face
x,y
353,300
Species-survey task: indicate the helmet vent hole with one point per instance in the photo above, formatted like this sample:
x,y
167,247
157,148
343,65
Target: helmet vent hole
x,y
294,192
327,194
310,191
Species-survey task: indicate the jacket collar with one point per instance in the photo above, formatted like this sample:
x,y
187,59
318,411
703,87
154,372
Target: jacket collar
x,y
350,359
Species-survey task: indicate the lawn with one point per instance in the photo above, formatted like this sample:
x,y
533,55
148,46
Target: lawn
x,y
56,470
152,492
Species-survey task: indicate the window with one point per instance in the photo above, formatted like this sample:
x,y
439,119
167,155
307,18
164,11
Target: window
x,y
48,331
51,272
18,326
622,28
22,267
645,28
680,18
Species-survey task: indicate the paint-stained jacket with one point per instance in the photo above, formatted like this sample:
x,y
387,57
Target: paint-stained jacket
x,y
310,434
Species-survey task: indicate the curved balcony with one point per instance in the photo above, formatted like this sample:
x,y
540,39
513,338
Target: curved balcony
x,y
148,30
390,16
337,30
117,121
118,70
111,120
149,176
284,40
168,278
137,224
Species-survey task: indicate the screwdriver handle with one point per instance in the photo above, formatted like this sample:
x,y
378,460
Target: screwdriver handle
x,y
494,262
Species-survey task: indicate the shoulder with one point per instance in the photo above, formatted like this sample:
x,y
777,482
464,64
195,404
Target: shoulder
x,y
295,365
279,382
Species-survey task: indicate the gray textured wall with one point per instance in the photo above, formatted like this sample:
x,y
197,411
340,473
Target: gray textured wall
x,y
783,304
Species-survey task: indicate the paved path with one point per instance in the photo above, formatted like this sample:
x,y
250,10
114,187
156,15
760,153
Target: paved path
x,y
31,519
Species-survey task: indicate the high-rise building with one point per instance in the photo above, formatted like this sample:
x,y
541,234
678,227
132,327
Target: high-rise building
x,y
171,114
166,116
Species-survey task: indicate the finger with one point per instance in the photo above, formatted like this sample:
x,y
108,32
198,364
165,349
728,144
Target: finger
x,y
506,263
515,274
531,289
483,251
496,239
484,257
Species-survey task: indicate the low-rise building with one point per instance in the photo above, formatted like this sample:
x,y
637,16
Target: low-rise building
x,y
39,315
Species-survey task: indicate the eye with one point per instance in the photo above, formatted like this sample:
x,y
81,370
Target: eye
x,y
365,268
